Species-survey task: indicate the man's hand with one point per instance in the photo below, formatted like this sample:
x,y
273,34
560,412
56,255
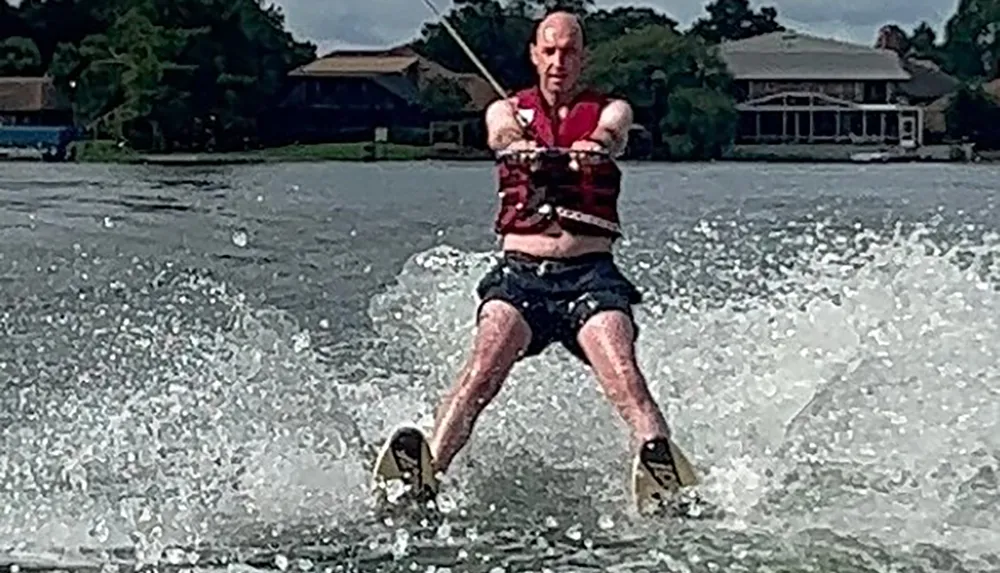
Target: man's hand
x,y
522,145
587,145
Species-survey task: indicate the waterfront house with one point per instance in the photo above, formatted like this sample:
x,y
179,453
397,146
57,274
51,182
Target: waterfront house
x,y
32,101
34,118
937,110
795,88
928,87
375,94
931,89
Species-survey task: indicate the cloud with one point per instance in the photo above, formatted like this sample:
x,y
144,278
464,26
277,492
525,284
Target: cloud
x,y
345,24
859,20
867,14
389,22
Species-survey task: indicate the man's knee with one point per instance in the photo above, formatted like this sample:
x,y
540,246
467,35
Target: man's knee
x,y
608,342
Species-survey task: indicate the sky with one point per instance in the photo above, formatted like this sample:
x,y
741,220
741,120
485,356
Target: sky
x,y
335,24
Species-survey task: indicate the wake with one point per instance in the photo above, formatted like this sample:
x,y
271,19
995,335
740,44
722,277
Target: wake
x,y
825,381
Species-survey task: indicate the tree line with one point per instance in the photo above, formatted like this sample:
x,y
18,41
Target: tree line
x,y
159,74
195,74
970,51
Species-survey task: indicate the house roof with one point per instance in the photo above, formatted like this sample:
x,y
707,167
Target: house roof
x,y
794,56
935,111
480,91
927,81
356,65
401,50
991,89
398,85
28,94
389,68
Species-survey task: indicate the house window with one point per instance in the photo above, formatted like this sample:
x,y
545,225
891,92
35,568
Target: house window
x,y
876,92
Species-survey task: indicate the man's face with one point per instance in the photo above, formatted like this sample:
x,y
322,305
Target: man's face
x,y
558,55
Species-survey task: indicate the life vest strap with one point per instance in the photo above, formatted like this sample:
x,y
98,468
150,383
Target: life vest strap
x,y
588,219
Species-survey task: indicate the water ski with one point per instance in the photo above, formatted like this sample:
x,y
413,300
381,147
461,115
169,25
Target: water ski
x,y
659,471
403,470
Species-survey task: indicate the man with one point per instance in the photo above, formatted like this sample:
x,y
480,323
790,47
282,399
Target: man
x,y
562,250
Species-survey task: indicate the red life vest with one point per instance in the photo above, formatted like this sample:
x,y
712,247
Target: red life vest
x,y
535,192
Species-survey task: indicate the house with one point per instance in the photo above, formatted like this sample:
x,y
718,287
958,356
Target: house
x,y
931,89
34,118
798,88
355,95
937,110
928,87
32,101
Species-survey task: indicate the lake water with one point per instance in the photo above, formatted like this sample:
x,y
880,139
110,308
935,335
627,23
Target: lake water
x,y
197,363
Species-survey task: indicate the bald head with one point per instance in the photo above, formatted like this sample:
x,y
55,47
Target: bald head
x,y
559,25
557,53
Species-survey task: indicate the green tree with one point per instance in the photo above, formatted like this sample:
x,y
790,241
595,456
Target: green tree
x,y
974,116
678,86
167,74
924,45
441,96
972,45
920,44
497,35
118,76
53,22
606,25
735,20
240,58
578,7
923,41
19,56
700,123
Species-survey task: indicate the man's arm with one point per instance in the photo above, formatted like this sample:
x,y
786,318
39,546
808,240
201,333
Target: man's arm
x,y
502,127
613,127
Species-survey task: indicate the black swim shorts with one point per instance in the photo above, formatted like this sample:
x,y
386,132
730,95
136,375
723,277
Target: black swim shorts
x,y
556,296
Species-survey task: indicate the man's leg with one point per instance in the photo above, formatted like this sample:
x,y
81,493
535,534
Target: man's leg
x,y
607,339
502,333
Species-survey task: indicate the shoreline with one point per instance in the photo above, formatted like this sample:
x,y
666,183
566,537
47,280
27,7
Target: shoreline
x,y
108,153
